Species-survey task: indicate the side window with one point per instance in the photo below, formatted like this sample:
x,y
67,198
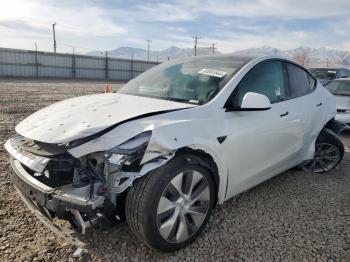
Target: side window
x,y
340,73
266,79
347,73
300,81
312,82
343,73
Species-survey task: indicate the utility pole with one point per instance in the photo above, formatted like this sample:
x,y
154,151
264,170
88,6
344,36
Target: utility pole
x,y
213,48
195,44
148,42
54,37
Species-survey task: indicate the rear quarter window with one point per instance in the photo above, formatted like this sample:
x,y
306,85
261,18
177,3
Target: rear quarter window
x,y
300,81
312,82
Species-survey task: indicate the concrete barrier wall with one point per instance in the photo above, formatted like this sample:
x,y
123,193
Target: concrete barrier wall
x,y
36,64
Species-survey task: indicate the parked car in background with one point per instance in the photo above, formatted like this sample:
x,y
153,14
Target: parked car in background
x,y
341,89
173,143
325,75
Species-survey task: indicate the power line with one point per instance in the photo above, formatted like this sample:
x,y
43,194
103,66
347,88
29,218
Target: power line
x,y
148,42
195,44
78,47
72,46
54,37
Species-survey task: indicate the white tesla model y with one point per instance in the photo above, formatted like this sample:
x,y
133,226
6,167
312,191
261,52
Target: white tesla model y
x,y
173,143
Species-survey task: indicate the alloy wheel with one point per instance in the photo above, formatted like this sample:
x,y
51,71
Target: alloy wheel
x,y
183,206
326,158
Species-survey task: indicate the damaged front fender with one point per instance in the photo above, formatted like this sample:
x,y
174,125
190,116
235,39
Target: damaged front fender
x,y
170,133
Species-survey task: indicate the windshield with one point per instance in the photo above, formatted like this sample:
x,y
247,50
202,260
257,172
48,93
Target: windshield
x,y
339,88
321,73
193,80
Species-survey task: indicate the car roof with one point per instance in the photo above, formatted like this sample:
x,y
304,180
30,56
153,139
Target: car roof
x,y
329,68
246,58
342,79
239,56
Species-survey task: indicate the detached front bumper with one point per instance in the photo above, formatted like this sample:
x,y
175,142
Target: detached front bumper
x,y
45,197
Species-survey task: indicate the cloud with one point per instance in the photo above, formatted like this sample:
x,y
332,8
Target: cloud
x,y
73,19
288,9
165,12
232,24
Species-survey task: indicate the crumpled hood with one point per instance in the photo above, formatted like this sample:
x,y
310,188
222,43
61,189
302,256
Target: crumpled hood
x,y
80,117
343,102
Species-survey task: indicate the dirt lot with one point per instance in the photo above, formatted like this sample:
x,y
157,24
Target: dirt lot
x,y
294,216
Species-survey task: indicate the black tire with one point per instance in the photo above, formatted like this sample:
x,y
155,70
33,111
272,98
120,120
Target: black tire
x,y
327,136
143,198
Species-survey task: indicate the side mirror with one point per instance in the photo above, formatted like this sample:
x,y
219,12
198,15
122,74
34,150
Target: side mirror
x,y
253,102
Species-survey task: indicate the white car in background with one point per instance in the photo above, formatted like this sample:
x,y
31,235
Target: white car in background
x,y
341,89
173,143
326,75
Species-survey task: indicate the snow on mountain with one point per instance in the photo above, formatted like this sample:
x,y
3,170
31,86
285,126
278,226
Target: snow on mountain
x,y
307,56
162,55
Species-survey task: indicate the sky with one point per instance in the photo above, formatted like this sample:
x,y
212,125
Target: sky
x,y
232,25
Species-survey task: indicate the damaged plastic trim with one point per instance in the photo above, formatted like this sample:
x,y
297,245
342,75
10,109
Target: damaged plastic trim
x,y
34,162
48,197
118,181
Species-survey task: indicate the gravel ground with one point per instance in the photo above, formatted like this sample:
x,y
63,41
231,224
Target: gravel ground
x,y
292,217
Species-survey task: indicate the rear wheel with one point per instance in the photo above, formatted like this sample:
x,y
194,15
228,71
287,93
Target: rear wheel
x,y
169,207
329,151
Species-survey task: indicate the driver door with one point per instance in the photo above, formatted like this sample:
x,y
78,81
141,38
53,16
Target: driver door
x,y
261,143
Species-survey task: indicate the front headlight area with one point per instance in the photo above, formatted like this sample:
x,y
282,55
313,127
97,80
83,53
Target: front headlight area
x,y
113,170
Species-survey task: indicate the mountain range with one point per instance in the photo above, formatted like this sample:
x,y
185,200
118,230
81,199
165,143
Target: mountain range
x,y
307,56
162,55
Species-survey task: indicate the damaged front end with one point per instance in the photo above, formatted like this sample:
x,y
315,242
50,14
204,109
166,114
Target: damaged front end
x,y
80,190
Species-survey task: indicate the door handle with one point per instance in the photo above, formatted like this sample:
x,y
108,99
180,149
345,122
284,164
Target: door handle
x,y
320,104
285,114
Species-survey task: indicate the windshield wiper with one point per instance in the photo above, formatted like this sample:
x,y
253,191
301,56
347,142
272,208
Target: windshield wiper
x,y
180,100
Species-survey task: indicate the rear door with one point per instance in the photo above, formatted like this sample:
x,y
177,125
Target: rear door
x,y
307,105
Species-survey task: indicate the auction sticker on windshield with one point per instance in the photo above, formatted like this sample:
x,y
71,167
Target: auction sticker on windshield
x,y
212,72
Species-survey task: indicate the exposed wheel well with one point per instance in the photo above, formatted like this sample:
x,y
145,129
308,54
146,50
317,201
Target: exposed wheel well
x,y
190,155
334,126
204,159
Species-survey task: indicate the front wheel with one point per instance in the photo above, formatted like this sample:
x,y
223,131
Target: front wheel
x,y
168,208
329,151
